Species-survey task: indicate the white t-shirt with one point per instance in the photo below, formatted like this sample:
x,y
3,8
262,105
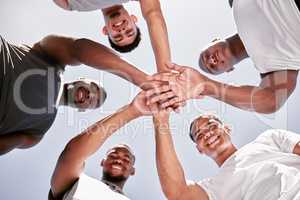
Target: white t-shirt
x,y
88,188
264,169
90,5
270,31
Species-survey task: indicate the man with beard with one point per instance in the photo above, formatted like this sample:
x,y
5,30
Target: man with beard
x,y
121,29
68,180
31,85
271,41
267,168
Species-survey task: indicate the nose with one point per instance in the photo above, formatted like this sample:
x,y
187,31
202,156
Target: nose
x,y
212,60
118,161
122,27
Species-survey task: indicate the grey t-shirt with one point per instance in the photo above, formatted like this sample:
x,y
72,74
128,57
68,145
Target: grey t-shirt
x,y
29,87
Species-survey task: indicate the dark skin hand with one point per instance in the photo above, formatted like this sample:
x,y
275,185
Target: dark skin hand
x,y
272,92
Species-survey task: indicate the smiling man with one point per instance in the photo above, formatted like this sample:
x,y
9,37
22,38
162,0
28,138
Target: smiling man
x,y
32,89
69,181
271,41
120,26
267,168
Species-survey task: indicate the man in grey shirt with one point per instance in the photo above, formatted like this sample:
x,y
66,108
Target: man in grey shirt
x,y
31,90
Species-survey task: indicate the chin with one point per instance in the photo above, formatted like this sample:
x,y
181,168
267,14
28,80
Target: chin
x,y
116,177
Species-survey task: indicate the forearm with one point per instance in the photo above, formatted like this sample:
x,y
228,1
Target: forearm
x,y
169,168
88,142
159,40
100,57
157,28
251,98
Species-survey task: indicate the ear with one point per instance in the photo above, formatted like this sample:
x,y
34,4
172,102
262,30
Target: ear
x,y
227,128
105,30
134,18
102,162
132,171
230,69
216,39
198,148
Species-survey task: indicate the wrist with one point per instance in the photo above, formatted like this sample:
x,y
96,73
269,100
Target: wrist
x,y
212,88
203,86
133,111
159,118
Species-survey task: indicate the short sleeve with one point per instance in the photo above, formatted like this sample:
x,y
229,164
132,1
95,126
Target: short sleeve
x,y
284,140
208,187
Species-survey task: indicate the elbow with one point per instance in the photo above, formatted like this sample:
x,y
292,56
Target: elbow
x,y
268,106
271,108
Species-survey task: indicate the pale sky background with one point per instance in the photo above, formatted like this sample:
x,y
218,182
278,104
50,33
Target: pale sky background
x,y
25,174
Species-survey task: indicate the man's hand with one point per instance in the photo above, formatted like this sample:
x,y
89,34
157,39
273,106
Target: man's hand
x,y
139,107
184,83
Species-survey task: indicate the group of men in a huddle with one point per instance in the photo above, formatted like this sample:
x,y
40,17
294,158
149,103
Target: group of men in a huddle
x,y
268,168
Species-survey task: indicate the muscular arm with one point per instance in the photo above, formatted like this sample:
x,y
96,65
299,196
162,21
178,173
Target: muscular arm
x,y
170,172
268,97
71,161
17,140
157,28
69,51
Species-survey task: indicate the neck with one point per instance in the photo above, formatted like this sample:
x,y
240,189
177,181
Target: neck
x,y
108,11
237,48
64,97
222,157
119,183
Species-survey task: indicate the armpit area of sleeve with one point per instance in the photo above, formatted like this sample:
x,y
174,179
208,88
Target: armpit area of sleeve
x,y
292,141
207,187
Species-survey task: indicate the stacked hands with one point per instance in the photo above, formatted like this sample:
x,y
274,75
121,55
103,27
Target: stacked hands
x,y
168,91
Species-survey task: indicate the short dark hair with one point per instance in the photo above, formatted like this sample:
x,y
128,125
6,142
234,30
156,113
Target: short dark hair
x,y
191,134
129,47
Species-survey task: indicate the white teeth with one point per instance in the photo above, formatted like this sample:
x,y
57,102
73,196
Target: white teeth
x,y
215,141
119,24
116,167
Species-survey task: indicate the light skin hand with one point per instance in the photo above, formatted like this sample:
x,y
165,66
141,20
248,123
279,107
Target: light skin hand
x,y
184,83
140,108
170,171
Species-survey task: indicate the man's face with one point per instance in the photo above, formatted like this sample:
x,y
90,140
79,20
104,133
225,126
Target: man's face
x,y
210,135
120,27
118,163
86,95
217,58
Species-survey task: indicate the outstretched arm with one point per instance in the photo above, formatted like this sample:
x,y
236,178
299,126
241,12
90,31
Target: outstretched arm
x,y
169,169
268,97
71,161
157,28
273,91
70,51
